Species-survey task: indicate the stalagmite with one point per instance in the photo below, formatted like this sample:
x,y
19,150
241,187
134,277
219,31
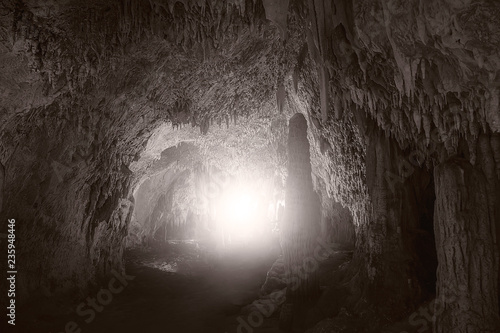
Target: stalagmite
x,y
300,226
417,118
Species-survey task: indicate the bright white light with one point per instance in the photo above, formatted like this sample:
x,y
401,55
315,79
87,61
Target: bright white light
x,y
238,210
240,207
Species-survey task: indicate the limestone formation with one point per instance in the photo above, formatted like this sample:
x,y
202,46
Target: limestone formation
x,y
108,108
468,270
301,222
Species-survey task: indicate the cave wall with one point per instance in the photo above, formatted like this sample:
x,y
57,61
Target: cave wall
x,y
63,185
399,98
467,274
84,85
156,209
337,223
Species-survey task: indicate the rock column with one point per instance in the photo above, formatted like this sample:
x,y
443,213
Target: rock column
x,y
467,288
300,227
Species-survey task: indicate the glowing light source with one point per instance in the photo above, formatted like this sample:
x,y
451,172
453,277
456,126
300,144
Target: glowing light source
x,y
241,206
239,211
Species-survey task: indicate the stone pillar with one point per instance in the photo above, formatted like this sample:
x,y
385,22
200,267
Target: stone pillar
x,y
300,227
467,290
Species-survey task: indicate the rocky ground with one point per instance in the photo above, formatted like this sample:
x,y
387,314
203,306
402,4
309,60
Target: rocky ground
x,y
173,290
179,288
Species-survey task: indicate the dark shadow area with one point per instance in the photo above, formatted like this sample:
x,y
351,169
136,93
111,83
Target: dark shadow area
x,y
172,288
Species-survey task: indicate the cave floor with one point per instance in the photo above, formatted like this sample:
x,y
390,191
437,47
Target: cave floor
x,y
175,290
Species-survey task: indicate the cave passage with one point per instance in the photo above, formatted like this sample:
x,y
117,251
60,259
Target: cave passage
x,y
250,166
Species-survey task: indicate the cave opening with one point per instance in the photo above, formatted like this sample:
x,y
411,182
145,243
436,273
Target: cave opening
x,y
250,166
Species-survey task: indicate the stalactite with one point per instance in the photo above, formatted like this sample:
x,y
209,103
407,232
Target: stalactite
x,y
280,97
417,118
427,128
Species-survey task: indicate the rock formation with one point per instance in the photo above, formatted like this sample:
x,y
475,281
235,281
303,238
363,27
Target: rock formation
x,y
299,230
398,100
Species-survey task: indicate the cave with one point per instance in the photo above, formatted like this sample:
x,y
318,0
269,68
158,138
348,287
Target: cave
x,y
250,166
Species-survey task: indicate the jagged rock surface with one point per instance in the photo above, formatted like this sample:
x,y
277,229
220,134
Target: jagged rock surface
x,y
85,84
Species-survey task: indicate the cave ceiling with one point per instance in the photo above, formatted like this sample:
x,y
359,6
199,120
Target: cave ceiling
x,y
426,72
